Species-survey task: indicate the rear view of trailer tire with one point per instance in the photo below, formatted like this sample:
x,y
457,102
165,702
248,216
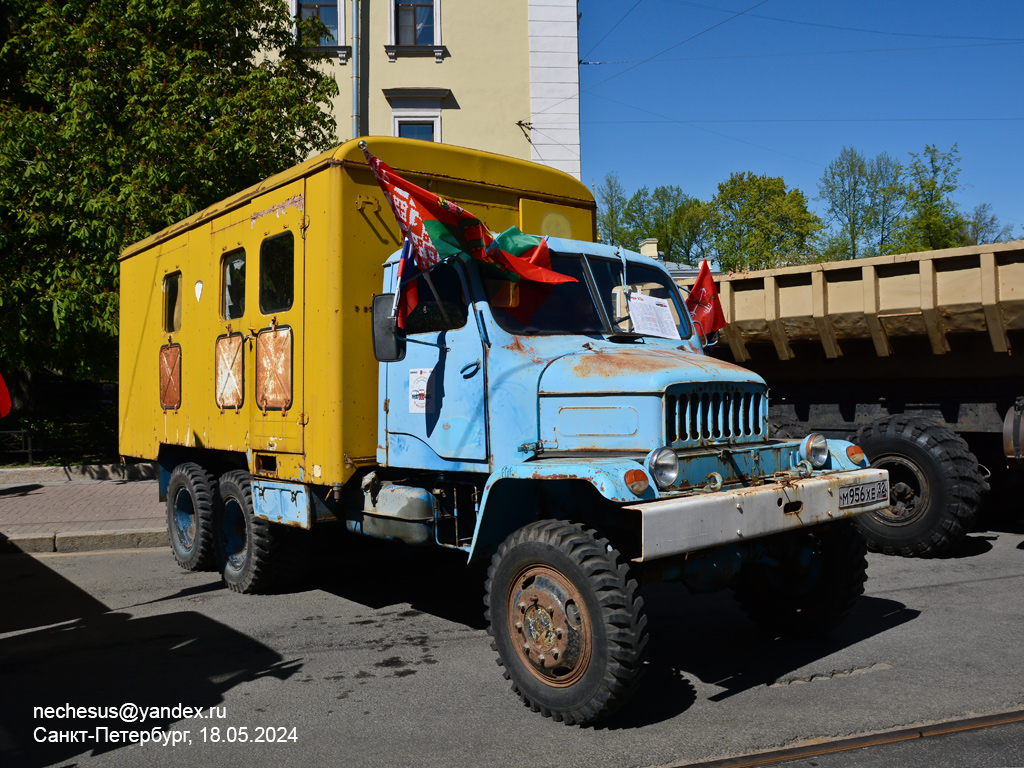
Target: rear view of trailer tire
x,y
935,487
566,623
192,506
248,546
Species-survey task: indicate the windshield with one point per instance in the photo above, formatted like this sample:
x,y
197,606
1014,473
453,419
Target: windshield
x,y
597,303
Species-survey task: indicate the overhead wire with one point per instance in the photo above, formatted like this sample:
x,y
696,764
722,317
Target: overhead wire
x,y
849,29
812,53
633,8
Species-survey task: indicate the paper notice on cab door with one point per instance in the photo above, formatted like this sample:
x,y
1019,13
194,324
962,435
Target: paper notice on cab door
x,y
421,390
651,316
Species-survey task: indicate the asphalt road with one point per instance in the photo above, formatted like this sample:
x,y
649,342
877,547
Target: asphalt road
x,y
383,660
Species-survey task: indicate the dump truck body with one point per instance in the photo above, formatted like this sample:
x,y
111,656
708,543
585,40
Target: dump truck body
x,y
882,347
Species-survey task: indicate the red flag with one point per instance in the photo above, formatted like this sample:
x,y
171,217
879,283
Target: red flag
x,y
703,303
438,228
5,399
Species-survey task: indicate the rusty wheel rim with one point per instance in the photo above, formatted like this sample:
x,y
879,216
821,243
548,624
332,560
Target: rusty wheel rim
x,y
909,493
549,626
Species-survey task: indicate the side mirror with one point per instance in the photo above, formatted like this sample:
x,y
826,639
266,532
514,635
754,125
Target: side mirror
x,y
388,346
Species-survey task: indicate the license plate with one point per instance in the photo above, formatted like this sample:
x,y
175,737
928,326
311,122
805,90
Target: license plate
x,y
863,493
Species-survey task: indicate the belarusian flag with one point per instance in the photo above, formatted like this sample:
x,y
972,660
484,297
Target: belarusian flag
x,y
438,228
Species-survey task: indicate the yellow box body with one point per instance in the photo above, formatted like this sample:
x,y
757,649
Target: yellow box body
x,y
294,388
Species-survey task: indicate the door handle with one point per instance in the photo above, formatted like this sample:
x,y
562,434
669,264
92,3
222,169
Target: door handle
x,y
469,370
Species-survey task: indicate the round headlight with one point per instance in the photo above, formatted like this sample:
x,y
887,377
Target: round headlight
x,y
663,464
815,449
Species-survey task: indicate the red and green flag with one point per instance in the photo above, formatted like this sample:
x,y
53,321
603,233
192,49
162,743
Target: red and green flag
x,y
438,229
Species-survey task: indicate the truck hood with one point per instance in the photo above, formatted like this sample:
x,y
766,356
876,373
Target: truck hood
x,y
619,370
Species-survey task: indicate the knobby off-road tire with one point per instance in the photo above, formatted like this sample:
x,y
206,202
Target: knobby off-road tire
x,y
192,511
807,582
248,546
566,623
935,487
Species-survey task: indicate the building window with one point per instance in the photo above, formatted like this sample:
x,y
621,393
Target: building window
x,y
327,12
415,29
332,14
416,112
415,129
415,23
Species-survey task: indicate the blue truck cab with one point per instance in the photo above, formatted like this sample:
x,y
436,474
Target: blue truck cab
x,y
576,438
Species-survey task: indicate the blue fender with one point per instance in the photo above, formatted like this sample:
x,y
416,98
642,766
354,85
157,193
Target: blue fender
x,y
511,495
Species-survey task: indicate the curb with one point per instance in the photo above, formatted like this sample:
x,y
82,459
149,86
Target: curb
x,y
86,473
84,541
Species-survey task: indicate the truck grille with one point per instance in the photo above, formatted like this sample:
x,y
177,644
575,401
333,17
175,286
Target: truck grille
x,y
737,414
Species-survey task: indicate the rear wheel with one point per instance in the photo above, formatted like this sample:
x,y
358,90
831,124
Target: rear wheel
x,y
805,583
192,505
248,545
568,628
935,487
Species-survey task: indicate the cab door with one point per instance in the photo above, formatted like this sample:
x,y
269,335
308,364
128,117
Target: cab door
x,y
436,396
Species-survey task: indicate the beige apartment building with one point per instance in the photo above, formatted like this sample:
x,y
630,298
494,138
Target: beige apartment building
x,y
497,75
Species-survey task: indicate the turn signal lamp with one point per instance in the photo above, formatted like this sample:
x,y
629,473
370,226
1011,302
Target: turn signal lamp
x,y
637,481
856,454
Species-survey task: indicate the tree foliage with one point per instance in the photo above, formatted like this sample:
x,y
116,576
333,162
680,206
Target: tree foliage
x,y
117,119
678,221
759,224
934,220
844,188
982,226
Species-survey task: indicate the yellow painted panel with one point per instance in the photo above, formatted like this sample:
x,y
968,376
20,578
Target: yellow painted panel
x,y
342,232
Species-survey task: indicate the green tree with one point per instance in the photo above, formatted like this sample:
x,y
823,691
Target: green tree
x,y
933,219
759,224
844,188
117,119
982,227
611,198
887,203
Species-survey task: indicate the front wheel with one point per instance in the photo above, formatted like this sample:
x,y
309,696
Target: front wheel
x,y
805,583
565,620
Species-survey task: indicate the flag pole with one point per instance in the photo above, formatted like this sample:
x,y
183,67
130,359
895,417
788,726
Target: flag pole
x,y
406,247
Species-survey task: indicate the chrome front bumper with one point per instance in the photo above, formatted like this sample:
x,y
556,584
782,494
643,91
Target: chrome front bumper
x,y
688,523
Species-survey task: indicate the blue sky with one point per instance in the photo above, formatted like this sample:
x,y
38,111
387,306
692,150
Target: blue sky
x,y
780,89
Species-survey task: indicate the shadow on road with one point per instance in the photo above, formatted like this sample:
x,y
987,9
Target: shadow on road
x,y
380,574
708,637
101,659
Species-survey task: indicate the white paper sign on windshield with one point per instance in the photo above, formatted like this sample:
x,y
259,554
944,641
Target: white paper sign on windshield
x,y
651,316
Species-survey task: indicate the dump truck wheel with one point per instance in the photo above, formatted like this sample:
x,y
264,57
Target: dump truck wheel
x,y
807,582
565,620
247,545
192,505
935,487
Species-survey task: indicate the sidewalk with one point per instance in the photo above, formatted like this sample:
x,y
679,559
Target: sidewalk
x,y
52,509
